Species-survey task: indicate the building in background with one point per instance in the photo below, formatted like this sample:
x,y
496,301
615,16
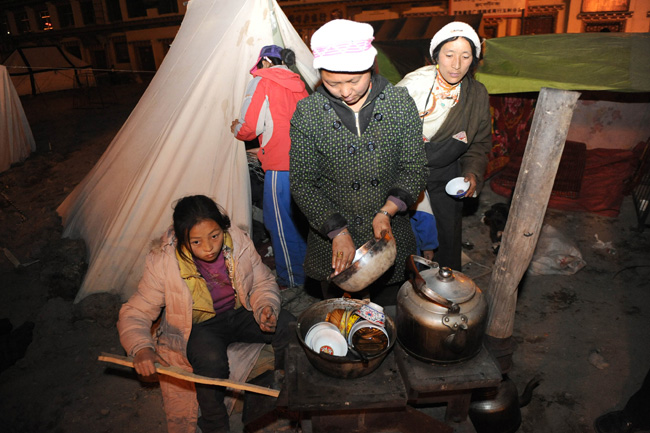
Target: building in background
x,y
135,35
130,35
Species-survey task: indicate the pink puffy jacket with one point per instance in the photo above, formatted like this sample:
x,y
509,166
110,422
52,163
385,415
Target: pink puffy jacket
x,y
162,289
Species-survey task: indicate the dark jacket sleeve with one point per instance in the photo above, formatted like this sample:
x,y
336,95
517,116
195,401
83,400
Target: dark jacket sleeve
x,y
475,160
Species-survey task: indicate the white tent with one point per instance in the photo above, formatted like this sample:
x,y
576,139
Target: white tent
x,y
47,69
177,140
16,139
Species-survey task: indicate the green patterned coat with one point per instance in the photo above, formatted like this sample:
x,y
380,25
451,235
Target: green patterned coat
x,y
339,177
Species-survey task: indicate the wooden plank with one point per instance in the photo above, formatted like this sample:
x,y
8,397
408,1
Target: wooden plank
x,y
530,199
179,373
422,377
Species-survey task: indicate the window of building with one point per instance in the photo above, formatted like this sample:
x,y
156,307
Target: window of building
x,y
136,8
605,26
605,5
113,10
167,7
121,52
88,12
66,18
538,25
22,21
45,21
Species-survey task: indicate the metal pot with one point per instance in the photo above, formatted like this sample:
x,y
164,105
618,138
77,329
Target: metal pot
x,y
498,409
441,314
371,261
346,367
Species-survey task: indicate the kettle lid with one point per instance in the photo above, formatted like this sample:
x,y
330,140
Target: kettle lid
x,y
451,285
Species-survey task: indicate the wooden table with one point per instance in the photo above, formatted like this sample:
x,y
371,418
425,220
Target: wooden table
x,y
372,403
383,400
447,383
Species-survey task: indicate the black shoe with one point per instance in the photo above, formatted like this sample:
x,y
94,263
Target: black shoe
x,y
614,422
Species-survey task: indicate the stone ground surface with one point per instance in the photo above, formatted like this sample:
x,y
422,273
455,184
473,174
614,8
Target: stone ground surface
x,y
586,334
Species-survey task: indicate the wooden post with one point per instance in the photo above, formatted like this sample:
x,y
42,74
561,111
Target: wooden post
x,y
541,159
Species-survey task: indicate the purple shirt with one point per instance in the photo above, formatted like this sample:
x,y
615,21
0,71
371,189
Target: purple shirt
x,y
216,276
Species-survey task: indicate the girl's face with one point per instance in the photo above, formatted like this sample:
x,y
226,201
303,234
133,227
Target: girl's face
x,y
454,60
206,239
351,88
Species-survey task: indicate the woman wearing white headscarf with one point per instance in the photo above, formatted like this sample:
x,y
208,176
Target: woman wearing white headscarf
x,y
455,111
357,156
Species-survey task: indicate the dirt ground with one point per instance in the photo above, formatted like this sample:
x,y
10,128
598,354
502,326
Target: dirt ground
x,y
586,334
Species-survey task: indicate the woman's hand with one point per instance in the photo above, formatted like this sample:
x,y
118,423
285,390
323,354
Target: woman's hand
x,y
233,125
427,254
381,222
469,177
343,251
144,361
268,321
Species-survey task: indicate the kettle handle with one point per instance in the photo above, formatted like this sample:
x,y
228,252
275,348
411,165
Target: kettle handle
x,y
421,286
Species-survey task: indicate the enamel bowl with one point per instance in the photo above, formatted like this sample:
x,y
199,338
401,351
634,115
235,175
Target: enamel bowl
x,y
457,187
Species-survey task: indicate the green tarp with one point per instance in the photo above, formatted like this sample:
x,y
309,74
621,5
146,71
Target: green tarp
x,y
573,61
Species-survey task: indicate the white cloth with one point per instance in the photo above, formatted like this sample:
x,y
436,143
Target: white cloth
x,y
434,111
177,141
16,139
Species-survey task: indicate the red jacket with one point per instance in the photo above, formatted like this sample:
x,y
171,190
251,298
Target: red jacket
x,y
268,106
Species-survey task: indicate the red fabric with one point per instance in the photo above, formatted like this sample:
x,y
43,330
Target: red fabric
x,y
511,118
607,172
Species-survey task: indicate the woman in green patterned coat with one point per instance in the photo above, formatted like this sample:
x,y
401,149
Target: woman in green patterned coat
x,y
357,159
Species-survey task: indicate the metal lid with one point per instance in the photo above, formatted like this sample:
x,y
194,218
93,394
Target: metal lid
x,y
451,285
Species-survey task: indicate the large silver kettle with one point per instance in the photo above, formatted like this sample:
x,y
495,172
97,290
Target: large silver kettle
x,y
441,314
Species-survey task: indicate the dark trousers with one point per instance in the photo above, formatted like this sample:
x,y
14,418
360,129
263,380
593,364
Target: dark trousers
x,y
637,408
206,352
449,221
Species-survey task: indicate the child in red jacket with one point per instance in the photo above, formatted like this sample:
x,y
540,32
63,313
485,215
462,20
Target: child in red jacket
x,y
266,112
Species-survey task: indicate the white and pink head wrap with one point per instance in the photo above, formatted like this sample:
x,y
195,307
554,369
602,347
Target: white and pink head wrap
x,y
343,46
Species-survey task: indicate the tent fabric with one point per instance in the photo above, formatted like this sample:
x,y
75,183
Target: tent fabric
x,y
575,61
36,70
177,141
16,138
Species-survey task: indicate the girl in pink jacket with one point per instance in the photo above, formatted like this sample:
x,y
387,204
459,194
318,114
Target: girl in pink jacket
x,y
209,283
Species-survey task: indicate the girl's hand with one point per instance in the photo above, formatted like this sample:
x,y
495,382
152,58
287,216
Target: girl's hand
x,y
472,185
343,251
427,254
268,321
233,125
144,361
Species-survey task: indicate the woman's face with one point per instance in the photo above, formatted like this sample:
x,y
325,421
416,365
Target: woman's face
x,y
454,60
206,239
351,88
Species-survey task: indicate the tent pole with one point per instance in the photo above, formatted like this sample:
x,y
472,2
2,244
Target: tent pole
x,y
530,198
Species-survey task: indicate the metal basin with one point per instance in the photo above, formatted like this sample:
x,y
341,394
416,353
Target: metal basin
x,y
349,366
370,262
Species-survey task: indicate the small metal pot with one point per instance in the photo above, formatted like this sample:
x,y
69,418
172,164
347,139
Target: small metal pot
x,y
346,367
441,314
371,261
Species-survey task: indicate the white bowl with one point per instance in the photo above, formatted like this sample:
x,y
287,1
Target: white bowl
x,y
316,328
329,341
457,187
